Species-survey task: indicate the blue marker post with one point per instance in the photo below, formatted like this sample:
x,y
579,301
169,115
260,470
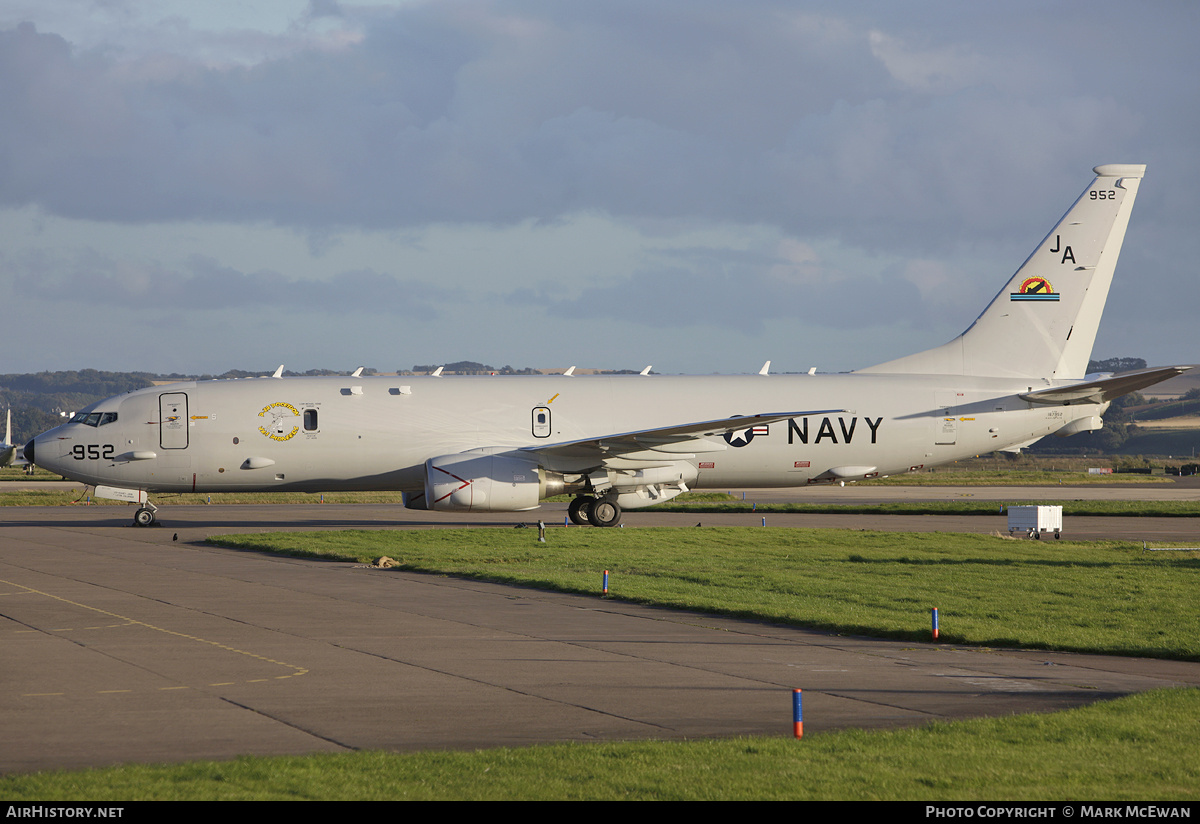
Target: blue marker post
x,y
606,582
797,714
935,623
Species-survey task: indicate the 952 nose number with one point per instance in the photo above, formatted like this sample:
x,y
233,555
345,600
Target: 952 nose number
x,y
92,451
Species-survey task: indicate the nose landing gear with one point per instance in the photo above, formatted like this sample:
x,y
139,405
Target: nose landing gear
x,y
146,515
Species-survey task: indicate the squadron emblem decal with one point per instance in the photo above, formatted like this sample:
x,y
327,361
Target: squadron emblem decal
x,y
284,421
1034,289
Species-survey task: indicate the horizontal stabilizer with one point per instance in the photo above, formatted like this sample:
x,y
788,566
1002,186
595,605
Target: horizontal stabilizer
x,y
1105,389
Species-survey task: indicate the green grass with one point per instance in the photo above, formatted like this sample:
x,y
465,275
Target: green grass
x,y
1084,596
18,474
1145,509
1013,477
1137,748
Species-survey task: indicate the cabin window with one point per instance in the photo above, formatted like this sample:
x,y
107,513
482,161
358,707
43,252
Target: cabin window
x,y
310,420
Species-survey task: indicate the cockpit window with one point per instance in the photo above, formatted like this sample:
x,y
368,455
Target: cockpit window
x,y
94,418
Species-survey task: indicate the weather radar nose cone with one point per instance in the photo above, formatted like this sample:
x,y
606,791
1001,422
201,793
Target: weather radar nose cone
x,y
28,451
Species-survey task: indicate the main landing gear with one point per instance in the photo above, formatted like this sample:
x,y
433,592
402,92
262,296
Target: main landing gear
x,y
595,511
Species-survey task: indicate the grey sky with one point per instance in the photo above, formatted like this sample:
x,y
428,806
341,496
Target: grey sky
x,y
697,185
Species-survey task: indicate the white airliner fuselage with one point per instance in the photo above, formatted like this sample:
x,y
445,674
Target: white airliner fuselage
x,y
504,443
332,433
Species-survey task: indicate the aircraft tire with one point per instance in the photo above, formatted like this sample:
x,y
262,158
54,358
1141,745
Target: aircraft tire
x,y
604,513
143,517
577,511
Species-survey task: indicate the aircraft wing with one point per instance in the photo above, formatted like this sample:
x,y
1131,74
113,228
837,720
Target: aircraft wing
x,y
1105,389
673,440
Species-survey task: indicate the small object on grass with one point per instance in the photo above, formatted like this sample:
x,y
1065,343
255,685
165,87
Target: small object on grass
x,y
797,713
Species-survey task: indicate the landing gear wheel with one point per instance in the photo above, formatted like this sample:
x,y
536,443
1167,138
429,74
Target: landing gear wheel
x,y
143,517
577,511
604,513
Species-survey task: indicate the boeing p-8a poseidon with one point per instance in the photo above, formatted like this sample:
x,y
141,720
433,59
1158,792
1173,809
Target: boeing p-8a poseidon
x,y
503,444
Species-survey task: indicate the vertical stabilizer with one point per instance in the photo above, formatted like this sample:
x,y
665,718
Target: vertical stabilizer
x,y
1044,321
7,450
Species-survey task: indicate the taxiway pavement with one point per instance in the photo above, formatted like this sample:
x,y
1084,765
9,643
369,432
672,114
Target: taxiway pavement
x,y
121,644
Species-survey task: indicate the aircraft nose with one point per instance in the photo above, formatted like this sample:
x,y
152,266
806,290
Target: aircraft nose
x,y
28,451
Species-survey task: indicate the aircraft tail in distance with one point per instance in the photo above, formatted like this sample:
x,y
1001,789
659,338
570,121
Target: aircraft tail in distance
x,y
8,451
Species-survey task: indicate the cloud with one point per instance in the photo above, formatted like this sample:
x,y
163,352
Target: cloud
x,y
897,157
946,68
476,112
204,285
743,292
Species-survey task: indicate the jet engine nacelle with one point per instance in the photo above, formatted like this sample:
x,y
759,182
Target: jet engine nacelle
x,y
481,482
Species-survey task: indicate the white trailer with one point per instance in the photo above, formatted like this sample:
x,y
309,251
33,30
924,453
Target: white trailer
x,y
1034,520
